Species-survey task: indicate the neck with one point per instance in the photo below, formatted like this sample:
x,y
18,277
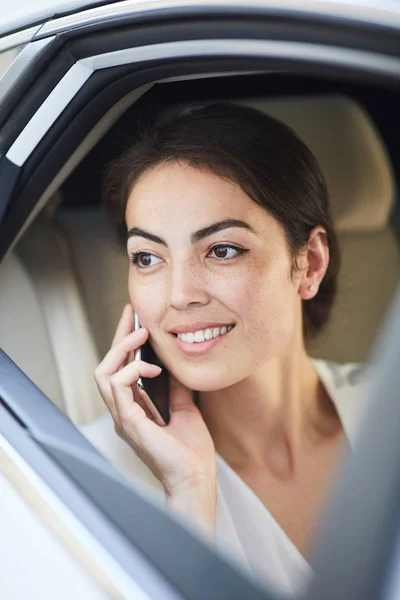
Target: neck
x,y
273,417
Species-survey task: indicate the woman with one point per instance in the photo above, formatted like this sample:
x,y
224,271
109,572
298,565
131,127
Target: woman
x,y
225,216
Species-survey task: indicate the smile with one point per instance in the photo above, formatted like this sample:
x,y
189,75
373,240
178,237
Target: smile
x,y
201,341
203,334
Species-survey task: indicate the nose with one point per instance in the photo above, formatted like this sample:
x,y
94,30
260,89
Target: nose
x,y
188,286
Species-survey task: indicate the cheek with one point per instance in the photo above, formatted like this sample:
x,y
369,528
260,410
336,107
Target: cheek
x,y
146,301
269,301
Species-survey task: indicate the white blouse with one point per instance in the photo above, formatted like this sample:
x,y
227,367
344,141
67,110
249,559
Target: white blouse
x,y
245,529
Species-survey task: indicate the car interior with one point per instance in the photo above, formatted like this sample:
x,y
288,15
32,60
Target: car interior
x,y
63,284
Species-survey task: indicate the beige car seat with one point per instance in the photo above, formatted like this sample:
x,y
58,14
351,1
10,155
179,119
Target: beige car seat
x,y
63,288
43,322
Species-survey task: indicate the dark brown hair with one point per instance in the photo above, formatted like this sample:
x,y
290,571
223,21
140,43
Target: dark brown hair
x,y
262,155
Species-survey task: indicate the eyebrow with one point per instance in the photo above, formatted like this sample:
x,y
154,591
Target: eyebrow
x,y
195,236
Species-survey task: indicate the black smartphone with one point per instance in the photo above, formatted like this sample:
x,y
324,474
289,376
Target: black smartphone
x,y
152,393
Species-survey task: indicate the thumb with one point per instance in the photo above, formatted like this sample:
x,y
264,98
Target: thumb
x,y
180,396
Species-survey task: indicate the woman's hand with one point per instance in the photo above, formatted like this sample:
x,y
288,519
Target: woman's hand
x,y
181,454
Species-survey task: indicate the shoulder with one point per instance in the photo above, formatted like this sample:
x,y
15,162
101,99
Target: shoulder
x,y
102,435
338,375
348,386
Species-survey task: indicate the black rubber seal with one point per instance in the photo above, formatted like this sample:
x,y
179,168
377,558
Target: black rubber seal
x,y
327,28
28,96
266,26
9,173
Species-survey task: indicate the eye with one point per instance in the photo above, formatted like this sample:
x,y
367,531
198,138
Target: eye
x,y
226,252
143,260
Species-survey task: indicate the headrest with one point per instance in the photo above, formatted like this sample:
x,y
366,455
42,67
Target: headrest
x,y
350,152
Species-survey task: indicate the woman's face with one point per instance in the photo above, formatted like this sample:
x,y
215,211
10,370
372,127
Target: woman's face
x,y
205,256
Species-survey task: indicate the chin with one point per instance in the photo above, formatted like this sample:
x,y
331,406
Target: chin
x,y
206,380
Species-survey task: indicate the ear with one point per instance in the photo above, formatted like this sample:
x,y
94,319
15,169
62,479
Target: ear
x,y
314,263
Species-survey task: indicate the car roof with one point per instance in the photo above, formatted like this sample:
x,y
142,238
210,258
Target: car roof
x,y
22,14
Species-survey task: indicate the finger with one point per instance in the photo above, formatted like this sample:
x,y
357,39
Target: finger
x,y
137,426
131,414
117,356
109,387
180,396
106,394
125,324
125,376
114,360
131,373
112,363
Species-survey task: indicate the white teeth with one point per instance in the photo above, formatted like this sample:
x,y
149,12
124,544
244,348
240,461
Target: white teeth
x,y
199,336
205,334
208,334
186,337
